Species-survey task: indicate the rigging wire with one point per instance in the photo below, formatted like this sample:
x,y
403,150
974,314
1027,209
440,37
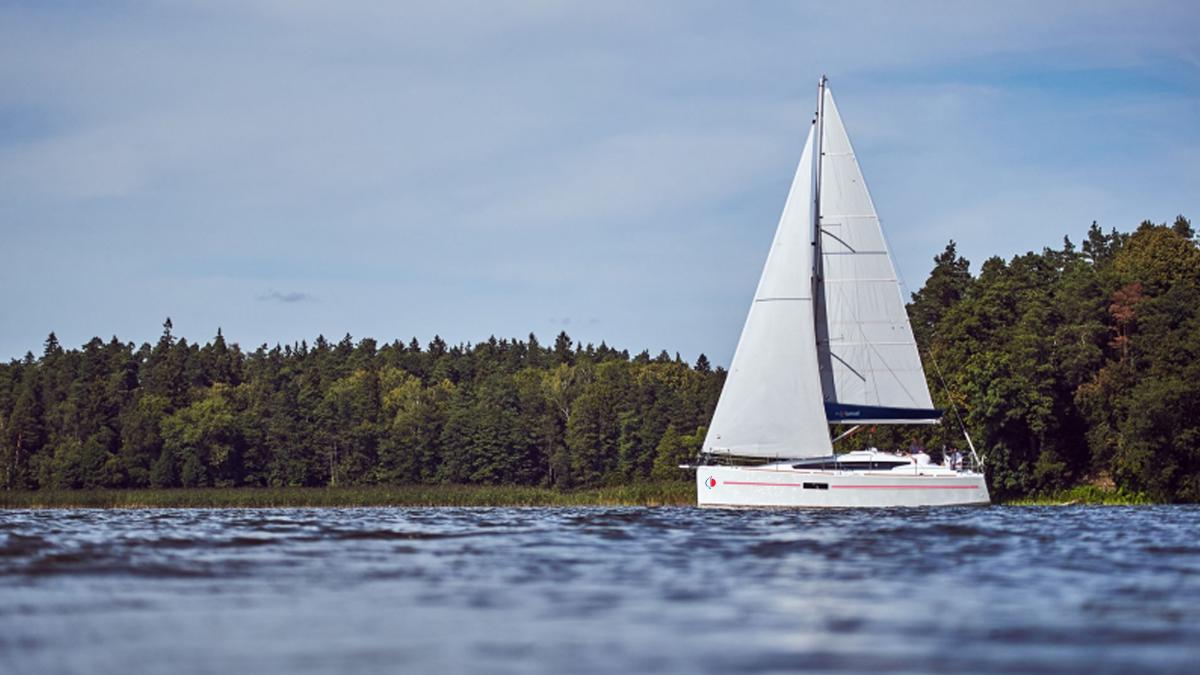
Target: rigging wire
x,y
953,406
932,359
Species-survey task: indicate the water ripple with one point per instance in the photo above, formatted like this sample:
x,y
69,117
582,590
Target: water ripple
x,y
1075,589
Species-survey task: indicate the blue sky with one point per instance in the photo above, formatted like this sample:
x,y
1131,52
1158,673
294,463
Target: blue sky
x,y
283,169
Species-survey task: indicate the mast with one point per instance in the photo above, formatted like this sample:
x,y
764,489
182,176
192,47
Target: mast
x,y
819,310
819,160
819,156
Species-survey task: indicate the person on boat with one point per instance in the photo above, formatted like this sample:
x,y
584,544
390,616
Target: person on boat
x,y
917,452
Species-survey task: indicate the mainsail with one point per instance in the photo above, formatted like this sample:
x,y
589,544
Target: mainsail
x,y
771,405
870,368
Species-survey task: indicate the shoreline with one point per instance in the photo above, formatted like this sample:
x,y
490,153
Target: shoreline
x,y
640,494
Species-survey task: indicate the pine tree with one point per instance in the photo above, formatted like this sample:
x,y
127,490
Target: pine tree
x,y
23,434
670,452
562,349
947,284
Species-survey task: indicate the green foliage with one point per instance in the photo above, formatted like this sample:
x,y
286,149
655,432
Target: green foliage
x,y
141,438
593,429
673,450
1075,367
946,285
165,472
503,412
1157,256
208,437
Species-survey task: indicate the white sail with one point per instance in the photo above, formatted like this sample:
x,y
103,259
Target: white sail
x,y
870,368
771,404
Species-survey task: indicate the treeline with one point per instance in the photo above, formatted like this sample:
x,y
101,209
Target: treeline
x,y
180,414
1069,366
1076,365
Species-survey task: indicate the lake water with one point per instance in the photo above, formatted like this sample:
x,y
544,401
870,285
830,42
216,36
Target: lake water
x,y
1001,589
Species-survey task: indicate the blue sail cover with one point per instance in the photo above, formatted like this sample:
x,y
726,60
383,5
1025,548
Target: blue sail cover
x,y
857,414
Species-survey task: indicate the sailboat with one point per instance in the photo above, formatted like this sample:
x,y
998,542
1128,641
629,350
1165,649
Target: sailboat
x,y
827,342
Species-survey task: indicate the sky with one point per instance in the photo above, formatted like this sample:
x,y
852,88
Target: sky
x,y
281,169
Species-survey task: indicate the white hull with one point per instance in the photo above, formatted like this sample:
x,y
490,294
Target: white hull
x,y
784,486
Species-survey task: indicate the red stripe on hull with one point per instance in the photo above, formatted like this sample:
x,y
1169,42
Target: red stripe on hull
x,y
858,487
739,482
909,487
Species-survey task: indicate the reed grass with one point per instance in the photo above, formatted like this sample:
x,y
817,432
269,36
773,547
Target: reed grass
x,y
1085,494
641,494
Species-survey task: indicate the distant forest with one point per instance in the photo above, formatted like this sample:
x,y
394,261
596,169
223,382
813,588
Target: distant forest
x,y
1069,366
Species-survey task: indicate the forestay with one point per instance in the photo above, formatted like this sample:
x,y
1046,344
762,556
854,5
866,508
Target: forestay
x,y
870,368
771,404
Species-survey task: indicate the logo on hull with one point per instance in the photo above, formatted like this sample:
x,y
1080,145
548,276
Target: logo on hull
x,y
711,482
